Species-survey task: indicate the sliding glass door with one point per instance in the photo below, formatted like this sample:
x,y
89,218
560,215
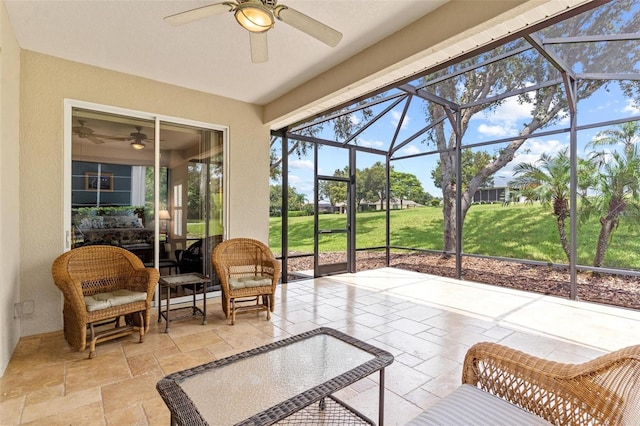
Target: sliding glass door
x,y
152,185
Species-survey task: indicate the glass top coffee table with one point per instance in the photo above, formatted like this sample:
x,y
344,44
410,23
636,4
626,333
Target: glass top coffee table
x,y
276,382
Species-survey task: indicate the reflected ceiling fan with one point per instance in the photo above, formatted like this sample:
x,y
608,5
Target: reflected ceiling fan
x,y
84,132
258,17
138,139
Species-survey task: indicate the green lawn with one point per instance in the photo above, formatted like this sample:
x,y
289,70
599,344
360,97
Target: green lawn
x,y
519,231
195,229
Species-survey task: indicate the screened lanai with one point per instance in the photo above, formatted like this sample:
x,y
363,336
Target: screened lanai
x,y
517,164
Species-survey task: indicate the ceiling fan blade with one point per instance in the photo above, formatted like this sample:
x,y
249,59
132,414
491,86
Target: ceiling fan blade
x,y
111,138
307,24
95,139
199,13
259,47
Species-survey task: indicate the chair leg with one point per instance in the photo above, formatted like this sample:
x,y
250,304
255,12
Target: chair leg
x,y
92,342
233,311
141,326
267,299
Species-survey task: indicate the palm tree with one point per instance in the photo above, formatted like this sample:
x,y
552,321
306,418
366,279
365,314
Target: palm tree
x,y
617,184
547,180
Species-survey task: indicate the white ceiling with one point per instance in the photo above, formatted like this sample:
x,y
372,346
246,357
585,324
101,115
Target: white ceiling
x,y
211,55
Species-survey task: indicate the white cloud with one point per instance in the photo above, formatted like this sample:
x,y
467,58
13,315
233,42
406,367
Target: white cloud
x,y
602,106
395,119
294,179
505,119
301,165
511,111
303,185
371,144
530,152
631,108
565,119
410,150
494,130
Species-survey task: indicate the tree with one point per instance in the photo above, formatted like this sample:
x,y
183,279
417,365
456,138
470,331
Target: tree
x,y
617,183
472,163
149,186
548,104
547,181
334,191
296,200
405,186
373,182
425,199
343,126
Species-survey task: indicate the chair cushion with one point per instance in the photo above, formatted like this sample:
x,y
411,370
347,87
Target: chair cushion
x,y
113,298
252,281
469,405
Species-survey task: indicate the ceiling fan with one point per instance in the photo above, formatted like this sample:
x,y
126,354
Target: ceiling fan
x,y
84,132
258,17
139,139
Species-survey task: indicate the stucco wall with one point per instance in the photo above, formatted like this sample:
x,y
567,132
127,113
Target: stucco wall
x,y
9,195
46,81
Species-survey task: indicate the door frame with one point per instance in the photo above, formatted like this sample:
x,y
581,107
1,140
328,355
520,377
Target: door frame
x,y
350,210
71,104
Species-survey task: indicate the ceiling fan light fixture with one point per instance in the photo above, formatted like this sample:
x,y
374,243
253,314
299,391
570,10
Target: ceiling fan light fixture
x,y
254,16
137,145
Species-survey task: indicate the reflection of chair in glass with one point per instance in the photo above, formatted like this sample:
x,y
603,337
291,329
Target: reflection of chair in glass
x,y
100,284
248,271
190,259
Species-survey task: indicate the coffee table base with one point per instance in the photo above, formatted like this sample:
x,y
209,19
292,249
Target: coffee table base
x,y
330,410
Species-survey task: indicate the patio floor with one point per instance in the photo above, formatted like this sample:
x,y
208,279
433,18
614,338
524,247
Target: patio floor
x,y
426,322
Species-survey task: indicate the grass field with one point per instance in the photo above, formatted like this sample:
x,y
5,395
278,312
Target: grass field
x,y
516,231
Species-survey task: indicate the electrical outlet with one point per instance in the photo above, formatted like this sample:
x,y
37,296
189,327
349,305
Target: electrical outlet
x,y
23,308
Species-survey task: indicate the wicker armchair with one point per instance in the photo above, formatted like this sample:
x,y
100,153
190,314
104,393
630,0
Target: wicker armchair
x,y
247,271
100,284
604,391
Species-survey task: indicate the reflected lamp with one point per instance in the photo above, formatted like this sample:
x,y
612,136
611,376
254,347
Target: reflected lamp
x,y
163,216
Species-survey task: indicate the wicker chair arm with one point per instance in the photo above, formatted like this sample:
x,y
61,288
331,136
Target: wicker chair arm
x,y
605,390
70,287
143,279
271,267
276,266
73,298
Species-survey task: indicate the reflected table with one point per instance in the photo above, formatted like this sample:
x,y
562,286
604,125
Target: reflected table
x,y
277,382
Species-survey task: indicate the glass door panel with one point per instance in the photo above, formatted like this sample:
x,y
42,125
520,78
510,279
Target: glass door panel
x,y
112,181
195,162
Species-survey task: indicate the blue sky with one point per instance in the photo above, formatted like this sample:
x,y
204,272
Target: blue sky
x,y
504,122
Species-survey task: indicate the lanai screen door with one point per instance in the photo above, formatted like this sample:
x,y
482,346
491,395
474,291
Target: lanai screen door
x,y
333,211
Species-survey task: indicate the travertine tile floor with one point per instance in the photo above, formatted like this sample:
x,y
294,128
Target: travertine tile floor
x,y
427,322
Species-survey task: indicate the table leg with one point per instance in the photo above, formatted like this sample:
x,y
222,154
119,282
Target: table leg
x,y
159,303
195,292
166,328
204,304
381,400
